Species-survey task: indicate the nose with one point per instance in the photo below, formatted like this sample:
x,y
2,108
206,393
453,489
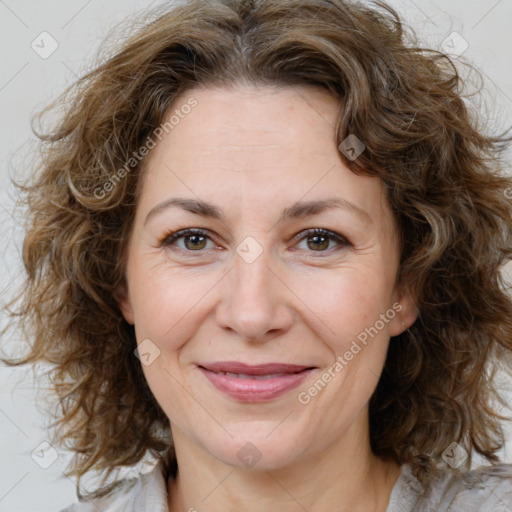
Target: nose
x,y
255,301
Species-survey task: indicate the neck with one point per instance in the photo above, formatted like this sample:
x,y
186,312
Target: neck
x,y
344,477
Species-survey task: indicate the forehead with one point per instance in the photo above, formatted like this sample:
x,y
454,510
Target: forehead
x,y
235,124
264,145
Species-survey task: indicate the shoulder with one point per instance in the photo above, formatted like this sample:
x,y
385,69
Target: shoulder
x,y
485,489
148,492
488,488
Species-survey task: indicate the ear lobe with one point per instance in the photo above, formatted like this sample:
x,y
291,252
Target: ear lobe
x,y
406,313
124,303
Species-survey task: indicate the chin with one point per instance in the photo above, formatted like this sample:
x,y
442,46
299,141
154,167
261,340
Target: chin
x,y
258,452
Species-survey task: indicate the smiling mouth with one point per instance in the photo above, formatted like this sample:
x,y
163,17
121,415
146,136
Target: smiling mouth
x,y
256,383
257,377
263,369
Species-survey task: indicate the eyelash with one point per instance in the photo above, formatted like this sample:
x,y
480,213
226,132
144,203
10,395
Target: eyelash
x,y
172,237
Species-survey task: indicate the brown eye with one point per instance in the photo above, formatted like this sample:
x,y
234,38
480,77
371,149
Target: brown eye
x,y
318,240
193,240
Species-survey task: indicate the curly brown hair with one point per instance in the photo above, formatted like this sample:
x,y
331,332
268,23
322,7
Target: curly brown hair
x,y
445,183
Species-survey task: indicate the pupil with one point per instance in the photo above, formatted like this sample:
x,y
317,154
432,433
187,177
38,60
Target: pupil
x,y
197,243
322,246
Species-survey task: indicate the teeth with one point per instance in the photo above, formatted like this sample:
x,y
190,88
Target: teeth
x,y
244,376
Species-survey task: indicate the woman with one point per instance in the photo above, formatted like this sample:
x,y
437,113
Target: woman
x,y
264,247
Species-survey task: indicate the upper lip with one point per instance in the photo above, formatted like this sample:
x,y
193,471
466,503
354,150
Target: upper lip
x,y
257,369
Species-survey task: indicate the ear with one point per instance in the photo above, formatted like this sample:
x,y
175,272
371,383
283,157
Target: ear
x,y
406,311
123,300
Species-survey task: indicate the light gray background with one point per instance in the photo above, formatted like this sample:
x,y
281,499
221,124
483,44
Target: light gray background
x,y
27,82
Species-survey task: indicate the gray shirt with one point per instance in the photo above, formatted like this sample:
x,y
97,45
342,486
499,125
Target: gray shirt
x,y
486,489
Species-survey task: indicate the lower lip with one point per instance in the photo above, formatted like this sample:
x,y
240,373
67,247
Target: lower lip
x,y
255,390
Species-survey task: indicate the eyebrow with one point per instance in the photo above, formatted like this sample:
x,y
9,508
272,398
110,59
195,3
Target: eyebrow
x,y
299,210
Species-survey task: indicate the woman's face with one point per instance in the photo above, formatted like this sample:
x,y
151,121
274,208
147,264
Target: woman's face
x,y
299,320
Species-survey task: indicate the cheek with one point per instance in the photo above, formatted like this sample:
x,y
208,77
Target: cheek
x,y
163,300
170,305
167,304
346,301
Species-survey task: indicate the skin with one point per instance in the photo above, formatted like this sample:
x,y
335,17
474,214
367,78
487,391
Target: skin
x,y
253,152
